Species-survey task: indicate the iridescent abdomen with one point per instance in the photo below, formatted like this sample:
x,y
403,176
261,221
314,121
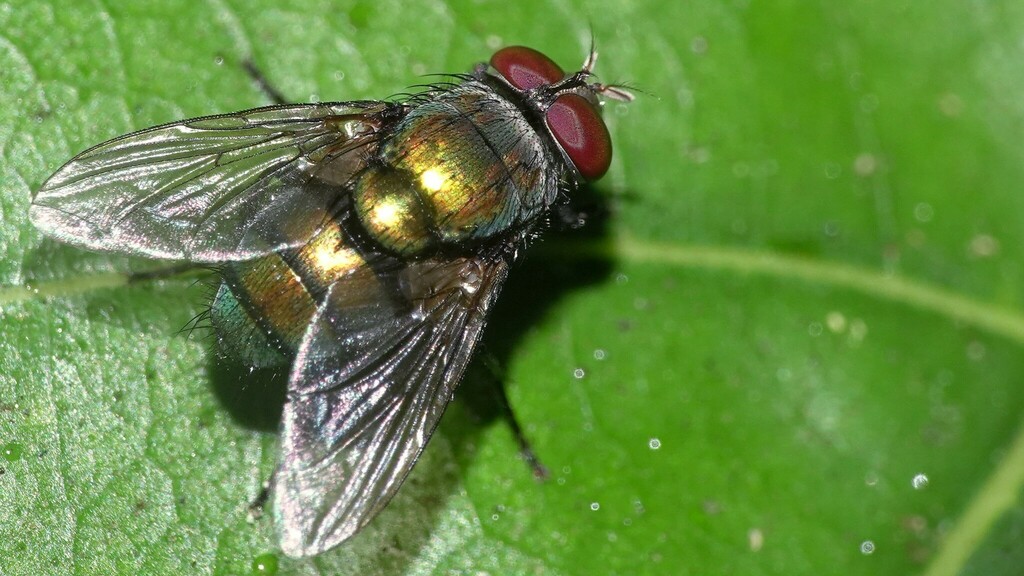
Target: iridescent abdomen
x,y
465,166
264,306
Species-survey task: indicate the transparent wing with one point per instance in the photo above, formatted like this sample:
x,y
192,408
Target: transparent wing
x,y
373,376
209,189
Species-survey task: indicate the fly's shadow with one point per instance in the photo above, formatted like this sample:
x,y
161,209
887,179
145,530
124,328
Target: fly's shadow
x,y
536,283
255,398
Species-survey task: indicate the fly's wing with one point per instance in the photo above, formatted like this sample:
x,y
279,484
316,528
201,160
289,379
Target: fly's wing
x,y
209,189
373,376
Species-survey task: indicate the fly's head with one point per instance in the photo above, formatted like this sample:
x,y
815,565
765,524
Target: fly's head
x,y
568,104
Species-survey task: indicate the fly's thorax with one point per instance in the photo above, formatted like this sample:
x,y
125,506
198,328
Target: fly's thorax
x,y
465,165
389,205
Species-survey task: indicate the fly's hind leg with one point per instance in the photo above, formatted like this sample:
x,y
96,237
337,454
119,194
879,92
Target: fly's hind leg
x,y
257,506
540,471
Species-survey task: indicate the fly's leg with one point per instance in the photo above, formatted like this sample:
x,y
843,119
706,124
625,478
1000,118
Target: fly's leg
x,y
568,217
584,208
540,471
260,502
263,84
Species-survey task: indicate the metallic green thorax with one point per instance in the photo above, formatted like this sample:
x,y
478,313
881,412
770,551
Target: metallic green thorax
x,y
465,166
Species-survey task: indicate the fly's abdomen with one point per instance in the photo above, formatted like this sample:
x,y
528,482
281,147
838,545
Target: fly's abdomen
x,y
465,166
264,306
240,335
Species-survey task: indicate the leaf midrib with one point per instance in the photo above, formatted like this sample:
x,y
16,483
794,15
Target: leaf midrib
x,y
884,286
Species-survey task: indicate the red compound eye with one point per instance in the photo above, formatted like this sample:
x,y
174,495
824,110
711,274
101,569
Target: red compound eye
x,y
525,68
581,132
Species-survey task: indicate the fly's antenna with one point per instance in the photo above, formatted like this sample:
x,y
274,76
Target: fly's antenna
x,y
591,61
619,92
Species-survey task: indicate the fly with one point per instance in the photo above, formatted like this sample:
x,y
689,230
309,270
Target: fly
x,y
362,242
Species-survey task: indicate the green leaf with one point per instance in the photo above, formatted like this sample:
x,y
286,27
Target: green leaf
x,y
794,346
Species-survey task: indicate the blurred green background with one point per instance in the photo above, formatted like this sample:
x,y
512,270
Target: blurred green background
x,y
792,346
